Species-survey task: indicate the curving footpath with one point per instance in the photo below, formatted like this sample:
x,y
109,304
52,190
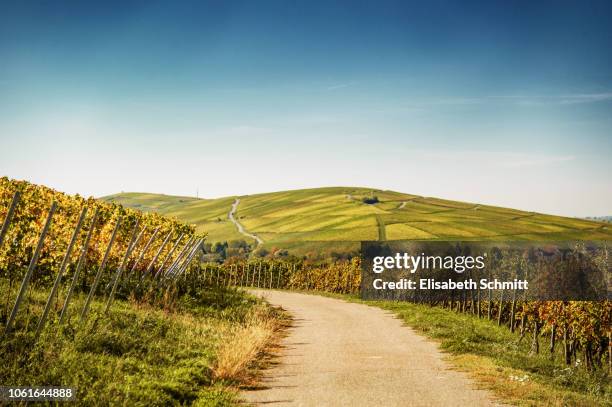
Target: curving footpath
x,y
346,354
241,230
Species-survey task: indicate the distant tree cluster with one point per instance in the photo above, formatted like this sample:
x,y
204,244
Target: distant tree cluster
x,y
221,251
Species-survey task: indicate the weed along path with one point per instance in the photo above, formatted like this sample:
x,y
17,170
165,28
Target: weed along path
x,y
346,354
241,230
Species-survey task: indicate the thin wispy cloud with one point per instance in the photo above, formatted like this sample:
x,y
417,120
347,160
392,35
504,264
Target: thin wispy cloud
x,y
586,98
535,160
523,100
499,159
340,86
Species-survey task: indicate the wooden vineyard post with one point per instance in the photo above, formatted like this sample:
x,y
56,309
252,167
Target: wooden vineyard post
x,y
253,277
271,275
180,256
9,216
192,251
169,256
92,291
30,271
80,263
144,250
280,269
58,278
248,269
161,248
263,276
258,274
140,235
126,257
501,308
218,275
478,302
181,260
189,258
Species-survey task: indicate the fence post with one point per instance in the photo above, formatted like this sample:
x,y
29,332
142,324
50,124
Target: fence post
x,y
169,256
9,216
81,262
280,270
131,245
58,278
179,257
144,250
189,258
92,291
258,274
181,262
152,263
30,271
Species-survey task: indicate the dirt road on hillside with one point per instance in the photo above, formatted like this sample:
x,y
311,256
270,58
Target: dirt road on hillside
x,y
241,230
345,354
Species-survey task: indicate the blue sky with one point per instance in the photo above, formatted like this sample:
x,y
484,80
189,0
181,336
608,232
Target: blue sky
x,y
507,104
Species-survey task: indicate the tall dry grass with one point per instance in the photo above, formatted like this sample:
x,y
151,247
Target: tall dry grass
x,y
244,343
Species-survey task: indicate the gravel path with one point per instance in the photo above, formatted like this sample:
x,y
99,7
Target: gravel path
x,y
232,217
346,354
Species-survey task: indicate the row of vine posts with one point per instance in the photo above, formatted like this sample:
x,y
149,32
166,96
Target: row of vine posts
x,y
159,274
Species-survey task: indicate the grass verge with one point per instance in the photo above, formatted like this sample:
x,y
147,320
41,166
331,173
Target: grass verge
x,y
198,353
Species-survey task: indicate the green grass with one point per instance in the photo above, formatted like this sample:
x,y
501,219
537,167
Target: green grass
x,y
299,219
208,215
139,355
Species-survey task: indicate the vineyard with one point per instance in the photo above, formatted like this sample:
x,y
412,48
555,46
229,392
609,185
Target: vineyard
x,y
147,253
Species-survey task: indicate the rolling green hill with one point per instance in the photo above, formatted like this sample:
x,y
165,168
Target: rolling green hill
x,y
306,218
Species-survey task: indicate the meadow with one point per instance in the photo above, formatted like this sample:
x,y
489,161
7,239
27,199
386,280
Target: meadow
x,y
337,218
197,351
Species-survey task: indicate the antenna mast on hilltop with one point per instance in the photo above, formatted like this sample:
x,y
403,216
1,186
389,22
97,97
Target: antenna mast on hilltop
x,y
197,192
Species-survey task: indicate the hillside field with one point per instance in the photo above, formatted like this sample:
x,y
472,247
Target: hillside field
x,y
308,219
